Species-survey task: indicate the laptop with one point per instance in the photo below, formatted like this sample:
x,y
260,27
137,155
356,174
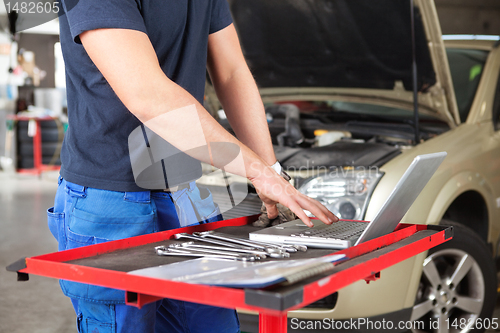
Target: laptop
x,y
344,234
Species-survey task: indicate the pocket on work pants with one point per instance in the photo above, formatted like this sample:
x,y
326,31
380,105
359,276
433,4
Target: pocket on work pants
x,y
93,318
195,206
206,209
91,326
99,217
55,222
87,229
55,215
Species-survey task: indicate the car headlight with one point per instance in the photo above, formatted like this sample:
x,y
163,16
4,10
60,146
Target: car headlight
x,y
345,192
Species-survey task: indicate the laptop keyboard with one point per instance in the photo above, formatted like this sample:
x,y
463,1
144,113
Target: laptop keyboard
x,y
341,230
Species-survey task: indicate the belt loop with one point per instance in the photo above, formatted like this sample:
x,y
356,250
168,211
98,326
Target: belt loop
x,y
140,197
76,190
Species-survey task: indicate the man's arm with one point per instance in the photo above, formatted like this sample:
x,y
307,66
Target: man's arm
x,y
239,96
128,61
238,93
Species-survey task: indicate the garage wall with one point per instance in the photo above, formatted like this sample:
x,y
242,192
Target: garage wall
x,y
481,17
43,46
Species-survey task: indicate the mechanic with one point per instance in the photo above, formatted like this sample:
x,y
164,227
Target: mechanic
x,y
130,62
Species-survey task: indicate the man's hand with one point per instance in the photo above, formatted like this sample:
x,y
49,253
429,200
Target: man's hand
x,y
273,189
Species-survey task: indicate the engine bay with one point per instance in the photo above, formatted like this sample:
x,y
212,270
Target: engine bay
x,y
330,134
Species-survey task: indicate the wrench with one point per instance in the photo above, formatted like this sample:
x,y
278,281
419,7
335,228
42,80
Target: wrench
x,y
206,240
268,249
224,255
163,251
283,246
181,247
272,253
258,253
286,247
210,234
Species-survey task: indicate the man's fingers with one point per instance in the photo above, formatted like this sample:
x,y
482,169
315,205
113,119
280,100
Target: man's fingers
x,y
272,211
291,198
317,209
294,207
332,217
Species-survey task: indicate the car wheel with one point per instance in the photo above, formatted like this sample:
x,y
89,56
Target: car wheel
x,y
458,287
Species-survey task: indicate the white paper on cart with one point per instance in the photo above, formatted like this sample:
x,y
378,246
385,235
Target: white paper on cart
x,y
231,273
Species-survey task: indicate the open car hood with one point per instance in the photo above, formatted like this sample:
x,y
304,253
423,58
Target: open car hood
x,y
355,44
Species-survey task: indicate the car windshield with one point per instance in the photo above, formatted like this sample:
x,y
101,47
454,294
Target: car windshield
x,y
466,67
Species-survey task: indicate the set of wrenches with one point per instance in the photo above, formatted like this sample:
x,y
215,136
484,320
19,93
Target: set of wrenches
x,y
224,246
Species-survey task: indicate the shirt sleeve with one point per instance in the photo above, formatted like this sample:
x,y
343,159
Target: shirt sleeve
x,y
85,15
221,16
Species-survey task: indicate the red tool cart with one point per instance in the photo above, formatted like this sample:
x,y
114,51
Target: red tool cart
x,y
107,265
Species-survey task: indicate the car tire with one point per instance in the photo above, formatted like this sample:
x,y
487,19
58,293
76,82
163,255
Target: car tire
x,y
28,162
48,149
48,135
23,124
458,287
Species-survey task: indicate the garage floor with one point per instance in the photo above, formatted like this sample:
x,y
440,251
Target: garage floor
x,y
38,305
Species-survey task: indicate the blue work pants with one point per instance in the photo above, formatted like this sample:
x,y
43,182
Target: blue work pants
x,y
83,216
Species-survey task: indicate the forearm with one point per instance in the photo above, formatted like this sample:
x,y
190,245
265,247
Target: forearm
x,y
244,109
176,116
238,92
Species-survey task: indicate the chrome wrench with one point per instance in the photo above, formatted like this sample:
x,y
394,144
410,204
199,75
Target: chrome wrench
x,y
268,249
196,236
163,251
206,240
287,247
223,252
283,246
259,253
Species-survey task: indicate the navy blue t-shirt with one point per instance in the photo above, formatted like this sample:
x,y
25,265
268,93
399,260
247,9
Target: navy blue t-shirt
x,y
95,151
